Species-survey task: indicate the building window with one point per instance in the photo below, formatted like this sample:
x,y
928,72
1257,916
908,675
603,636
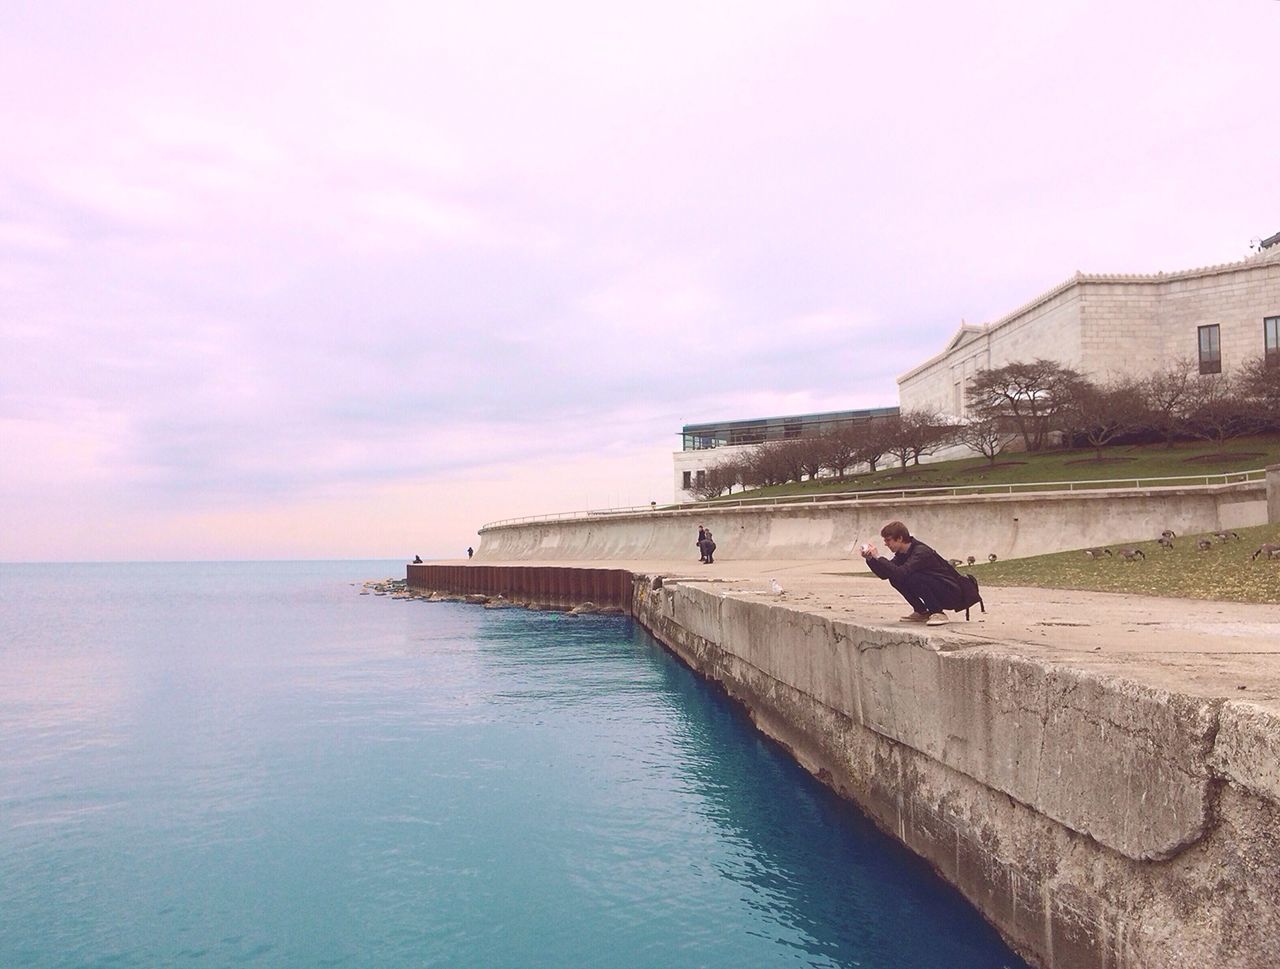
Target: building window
x,y
748,433
1271,340
1210,350
790,431
702,478
687,481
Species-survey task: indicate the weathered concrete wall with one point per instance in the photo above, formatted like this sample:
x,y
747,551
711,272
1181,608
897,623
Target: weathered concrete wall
x,y
1008,525
1099,824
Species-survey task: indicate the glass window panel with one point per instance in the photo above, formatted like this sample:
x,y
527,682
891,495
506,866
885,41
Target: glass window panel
x,y
1210,355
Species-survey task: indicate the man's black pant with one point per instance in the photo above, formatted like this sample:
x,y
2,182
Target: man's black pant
x,y
924,592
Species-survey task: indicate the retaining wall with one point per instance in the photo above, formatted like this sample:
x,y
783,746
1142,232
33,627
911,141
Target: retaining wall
x,y
1009,526
1096,822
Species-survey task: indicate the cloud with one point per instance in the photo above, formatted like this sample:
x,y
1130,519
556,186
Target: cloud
x,y
252,265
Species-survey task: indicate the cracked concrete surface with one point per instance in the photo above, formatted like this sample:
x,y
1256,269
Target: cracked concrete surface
x,y
1204,648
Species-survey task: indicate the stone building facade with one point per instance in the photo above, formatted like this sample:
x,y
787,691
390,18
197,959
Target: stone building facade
x,y
1217,317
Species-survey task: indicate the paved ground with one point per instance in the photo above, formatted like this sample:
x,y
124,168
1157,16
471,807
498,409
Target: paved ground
x,y
1215,649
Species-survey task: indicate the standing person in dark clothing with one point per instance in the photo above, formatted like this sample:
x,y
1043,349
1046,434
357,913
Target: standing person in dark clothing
x,y
926,580
708,546
702,535
470,551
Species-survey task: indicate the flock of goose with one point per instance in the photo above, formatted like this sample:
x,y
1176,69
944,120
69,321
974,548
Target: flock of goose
x,y
1130,553
1165,541
972,560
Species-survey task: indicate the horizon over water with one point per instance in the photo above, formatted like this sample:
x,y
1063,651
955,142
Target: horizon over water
x,y
249,763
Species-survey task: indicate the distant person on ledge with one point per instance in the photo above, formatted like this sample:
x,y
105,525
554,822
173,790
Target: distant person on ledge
x,y
417,560
470,551
708,546
926,580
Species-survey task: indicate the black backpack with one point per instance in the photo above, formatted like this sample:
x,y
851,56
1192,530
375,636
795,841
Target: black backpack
x,y
969,595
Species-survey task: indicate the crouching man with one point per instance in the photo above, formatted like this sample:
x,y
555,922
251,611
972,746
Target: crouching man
x,y
926,580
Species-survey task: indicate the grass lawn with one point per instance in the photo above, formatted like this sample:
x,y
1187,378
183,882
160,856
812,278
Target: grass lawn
x,y
1118,463
1224,571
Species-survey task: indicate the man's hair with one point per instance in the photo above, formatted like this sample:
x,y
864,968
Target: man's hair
x,y
895,530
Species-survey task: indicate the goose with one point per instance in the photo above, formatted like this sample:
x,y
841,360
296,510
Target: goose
x,y
970,560
1165,542
1132,554
1223,536
956,562
1203,544
1168,533
1267,551
1097,553
991,557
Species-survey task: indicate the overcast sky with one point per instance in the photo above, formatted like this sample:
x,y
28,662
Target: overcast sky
x,y
332,280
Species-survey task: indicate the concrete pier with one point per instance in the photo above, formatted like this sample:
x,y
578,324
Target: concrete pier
x,y
1098,774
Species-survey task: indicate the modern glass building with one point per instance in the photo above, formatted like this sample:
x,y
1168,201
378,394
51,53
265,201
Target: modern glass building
x,y
703,446
699,437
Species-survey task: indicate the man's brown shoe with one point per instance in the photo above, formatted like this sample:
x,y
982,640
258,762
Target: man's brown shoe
x,y
936,619
915,617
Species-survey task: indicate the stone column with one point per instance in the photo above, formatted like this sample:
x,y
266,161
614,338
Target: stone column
x,y
1273,494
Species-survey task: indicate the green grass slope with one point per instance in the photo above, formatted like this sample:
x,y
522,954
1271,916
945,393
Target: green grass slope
x,y
1224,571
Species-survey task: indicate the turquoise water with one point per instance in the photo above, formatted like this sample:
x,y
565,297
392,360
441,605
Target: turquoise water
x,y
251,764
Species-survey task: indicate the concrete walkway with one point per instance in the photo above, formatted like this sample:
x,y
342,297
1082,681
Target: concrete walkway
x,y
1199,647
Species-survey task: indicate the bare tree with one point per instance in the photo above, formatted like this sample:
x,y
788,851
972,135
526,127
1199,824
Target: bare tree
x,y
874,439
811,455
917,433
840,449
1259,385
717,481
1215,411
1100,414
986,437
759,468
790,458
1031,396
894,434
774,463
731,473
928,432
1166,392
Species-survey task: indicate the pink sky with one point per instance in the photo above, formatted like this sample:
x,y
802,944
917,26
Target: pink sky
x,y
289,283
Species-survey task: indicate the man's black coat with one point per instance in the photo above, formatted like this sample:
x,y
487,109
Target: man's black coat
x,y
920,559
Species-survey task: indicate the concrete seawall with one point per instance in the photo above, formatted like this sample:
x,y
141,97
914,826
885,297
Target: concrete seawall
x,y
1082,767
1097,822
1009,526
543,586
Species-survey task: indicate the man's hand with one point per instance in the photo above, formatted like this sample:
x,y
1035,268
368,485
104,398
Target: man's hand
x,y
869,551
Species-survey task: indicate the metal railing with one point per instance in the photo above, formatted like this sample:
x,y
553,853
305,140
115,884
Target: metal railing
x,y
951,491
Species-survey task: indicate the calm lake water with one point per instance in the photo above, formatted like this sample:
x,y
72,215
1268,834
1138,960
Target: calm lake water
x,y
251,764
